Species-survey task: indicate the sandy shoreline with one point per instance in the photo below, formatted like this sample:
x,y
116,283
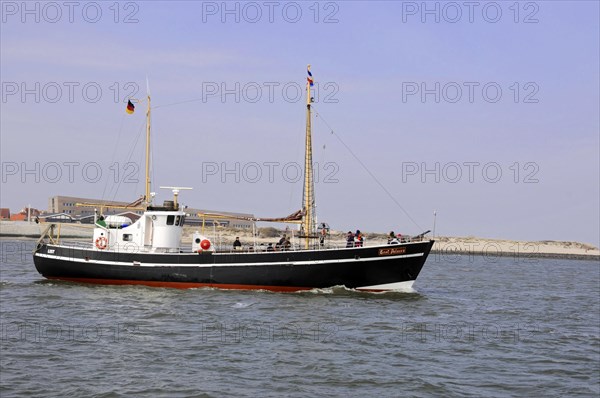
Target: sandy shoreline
x,y
446,247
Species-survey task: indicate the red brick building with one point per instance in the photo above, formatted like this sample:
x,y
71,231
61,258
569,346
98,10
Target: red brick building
x,y
22,215
4,214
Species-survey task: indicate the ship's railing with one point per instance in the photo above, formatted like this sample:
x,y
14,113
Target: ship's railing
x,y
262,248
77,244
121,249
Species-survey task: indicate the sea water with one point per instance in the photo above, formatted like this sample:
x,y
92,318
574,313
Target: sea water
x,y
473,326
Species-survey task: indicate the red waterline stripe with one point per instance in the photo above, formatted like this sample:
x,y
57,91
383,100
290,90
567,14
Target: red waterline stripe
x,y
182,285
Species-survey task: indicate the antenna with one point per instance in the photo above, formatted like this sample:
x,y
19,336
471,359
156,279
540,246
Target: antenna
x,y
177,188
175,191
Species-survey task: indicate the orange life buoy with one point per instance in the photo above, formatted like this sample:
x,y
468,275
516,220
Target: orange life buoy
x,y
101,243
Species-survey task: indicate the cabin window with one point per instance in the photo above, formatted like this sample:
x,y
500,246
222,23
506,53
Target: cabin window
x,y
170,220
182,220
127,237
177,220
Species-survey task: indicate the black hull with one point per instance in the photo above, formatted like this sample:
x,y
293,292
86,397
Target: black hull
x,y
376,268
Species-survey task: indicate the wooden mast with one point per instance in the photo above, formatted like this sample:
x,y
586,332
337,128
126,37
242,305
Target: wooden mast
x,y
148,198
308,222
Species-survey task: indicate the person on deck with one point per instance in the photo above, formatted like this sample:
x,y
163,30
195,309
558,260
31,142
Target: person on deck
x,y
358,239
237,245
391,237
322,237
350,239
281,242
287,244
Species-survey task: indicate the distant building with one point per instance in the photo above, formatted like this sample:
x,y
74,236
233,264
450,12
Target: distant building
x,y
66,208
233,222
69,205
4,214
56,217
24,214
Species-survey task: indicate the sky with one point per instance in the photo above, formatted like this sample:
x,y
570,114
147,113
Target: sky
x,y
485,114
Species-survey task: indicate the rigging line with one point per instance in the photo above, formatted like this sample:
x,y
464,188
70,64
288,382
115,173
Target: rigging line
x,y
118,172
152,168
292,202
133,177
129,156
112,161
368,171
141,160
178,103
322,154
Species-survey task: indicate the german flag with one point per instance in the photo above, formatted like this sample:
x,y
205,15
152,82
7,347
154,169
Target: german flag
x,y
130,107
